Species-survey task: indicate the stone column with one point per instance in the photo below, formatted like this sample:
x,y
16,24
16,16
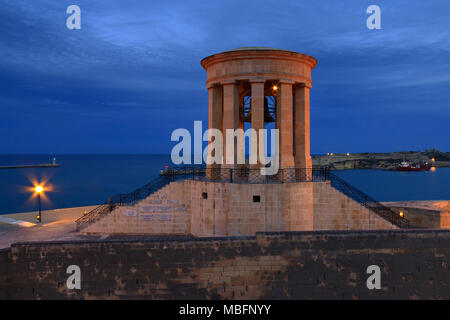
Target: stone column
x,y
278,109
214,120
302,133
277,126
230,119
286,125
257,114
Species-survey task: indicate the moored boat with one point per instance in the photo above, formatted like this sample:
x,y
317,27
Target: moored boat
x,y
407,166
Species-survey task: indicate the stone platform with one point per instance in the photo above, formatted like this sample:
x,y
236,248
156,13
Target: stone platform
x,y
203,209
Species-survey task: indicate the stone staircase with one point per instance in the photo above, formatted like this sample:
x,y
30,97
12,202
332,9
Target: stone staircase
x,y
131,198
159,200
162,213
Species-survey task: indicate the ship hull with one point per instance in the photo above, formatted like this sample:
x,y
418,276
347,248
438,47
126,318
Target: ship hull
x,y
421,168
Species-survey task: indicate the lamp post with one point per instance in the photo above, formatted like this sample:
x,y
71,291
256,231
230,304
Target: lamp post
x,y
39,190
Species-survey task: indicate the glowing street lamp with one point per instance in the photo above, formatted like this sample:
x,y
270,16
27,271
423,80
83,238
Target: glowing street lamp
x,y
401,214
39,190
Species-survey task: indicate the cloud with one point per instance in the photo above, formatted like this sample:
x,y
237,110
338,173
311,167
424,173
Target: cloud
x,y
134,65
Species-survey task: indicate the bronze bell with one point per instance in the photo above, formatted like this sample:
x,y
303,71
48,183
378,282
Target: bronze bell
x,y
268,111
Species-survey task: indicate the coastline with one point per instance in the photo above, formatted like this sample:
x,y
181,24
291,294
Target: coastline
x,y
382,161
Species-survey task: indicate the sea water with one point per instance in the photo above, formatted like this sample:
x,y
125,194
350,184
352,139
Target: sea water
x,y
83,180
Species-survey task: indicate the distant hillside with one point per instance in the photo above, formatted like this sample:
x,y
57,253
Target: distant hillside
x,y
385,161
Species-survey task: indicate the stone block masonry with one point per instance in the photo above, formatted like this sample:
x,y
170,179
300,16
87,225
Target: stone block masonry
x,y
278,265
262,72
166,212
5,259
205,209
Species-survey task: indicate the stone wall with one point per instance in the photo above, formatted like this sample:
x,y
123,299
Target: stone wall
x,y
445,220
288,265
5,263
230,209
335,211
421,218
166,212
204,209
300,210
445,213
437,217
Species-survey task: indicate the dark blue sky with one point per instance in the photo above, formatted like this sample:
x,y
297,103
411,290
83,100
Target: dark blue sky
x,y
132,74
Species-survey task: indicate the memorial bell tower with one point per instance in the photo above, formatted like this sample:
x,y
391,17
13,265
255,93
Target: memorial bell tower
x,y
260,85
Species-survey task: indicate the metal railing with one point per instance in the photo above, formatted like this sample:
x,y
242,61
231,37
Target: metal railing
x,y
123,199
248,175
367,201
241,175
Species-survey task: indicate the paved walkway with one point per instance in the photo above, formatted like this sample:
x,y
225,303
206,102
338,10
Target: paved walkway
x,y
17,222
58,224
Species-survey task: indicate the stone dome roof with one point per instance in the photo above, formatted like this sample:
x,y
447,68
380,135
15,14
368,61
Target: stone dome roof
x,y
262,51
